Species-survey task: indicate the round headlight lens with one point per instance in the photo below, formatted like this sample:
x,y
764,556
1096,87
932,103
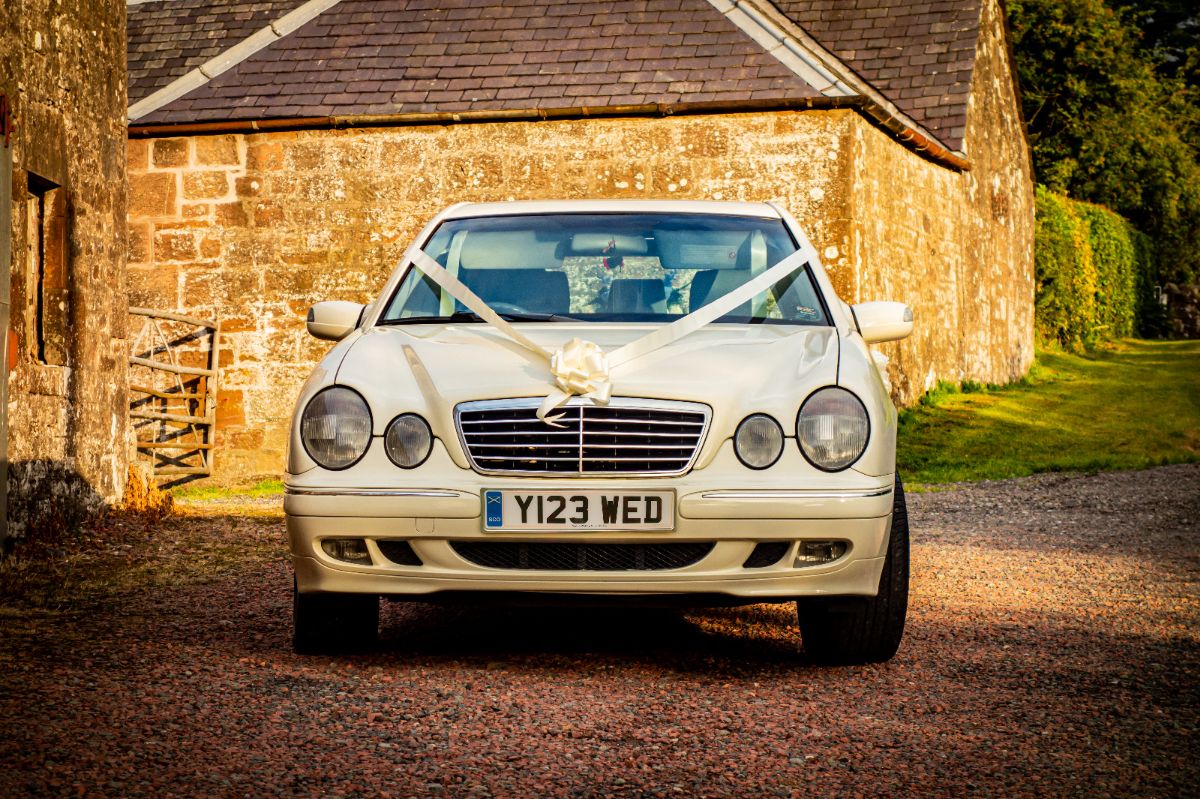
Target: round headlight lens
x,y
408,440
758,441
336,427
832,428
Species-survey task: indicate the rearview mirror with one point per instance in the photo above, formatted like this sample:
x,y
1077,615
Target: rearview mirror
x,y
883,321
334,320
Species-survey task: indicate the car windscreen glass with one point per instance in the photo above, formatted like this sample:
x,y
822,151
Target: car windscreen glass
x,y
608,268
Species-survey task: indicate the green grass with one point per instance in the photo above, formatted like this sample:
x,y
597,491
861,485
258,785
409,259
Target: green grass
x,y
1132,405
266,488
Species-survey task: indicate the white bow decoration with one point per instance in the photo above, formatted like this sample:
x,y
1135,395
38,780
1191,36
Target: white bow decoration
x,y
580,368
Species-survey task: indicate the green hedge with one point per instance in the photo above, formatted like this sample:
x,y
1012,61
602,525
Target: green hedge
x,y
1095,273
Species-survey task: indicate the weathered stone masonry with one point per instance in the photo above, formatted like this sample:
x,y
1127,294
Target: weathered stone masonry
x,y
956,246
252,229
64,74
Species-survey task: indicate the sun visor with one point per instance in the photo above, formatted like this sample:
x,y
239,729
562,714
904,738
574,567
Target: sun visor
x,y
508,249
709,249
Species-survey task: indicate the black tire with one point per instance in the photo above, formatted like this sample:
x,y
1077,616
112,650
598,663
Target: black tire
x,y
328,624
851,630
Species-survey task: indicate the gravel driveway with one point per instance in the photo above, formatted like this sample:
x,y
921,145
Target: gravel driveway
x,y
1051,651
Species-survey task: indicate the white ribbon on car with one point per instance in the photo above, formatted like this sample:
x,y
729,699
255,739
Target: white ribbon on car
x,y
581,368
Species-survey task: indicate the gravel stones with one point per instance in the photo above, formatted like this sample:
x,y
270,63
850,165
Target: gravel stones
x,y
1051,651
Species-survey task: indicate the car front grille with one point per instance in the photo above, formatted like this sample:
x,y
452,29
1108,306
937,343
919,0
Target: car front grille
x,y
625,437
582,557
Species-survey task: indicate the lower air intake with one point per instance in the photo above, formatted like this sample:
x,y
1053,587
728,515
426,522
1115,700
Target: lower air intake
x,y
582,557
766,553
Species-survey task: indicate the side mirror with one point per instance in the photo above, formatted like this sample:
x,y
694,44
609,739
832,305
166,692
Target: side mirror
x,y
335,320
883,321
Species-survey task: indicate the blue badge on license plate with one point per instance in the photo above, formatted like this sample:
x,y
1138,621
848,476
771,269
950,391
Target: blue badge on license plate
x,y
493,509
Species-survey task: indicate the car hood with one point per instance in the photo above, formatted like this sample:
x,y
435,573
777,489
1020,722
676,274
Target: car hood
x,y
735,369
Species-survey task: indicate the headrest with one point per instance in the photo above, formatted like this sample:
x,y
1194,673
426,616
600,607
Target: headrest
x,y
637,295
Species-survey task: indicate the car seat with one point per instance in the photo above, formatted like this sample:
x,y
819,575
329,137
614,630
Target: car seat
x,y
629,295
534,290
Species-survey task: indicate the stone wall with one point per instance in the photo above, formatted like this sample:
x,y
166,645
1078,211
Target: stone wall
x,y
958,247
252,229
64,74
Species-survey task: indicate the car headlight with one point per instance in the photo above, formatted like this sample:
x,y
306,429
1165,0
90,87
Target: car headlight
x,y
408,440
758,441
832,428
336,427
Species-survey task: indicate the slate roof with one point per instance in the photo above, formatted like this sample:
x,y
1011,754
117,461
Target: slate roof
x,y
426,56
455,55
170,37
920,54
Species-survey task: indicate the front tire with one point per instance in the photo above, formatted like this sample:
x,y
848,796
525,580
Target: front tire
x,y
851,630
333,623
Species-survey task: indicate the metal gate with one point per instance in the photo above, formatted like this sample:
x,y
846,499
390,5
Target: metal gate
x,y
173,393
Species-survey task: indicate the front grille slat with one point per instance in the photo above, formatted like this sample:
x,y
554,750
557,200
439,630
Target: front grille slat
x,y
627,437
582,557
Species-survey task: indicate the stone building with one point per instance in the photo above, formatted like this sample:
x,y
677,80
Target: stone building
x,y
284,152
63,250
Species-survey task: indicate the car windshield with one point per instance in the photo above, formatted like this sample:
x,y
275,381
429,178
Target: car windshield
x,y
608,268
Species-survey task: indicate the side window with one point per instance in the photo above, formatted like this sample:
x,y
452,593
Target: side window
x,y
47,242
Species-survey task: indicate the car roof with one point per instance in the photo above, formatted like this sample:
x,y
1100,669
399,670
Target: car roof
x,y
522,207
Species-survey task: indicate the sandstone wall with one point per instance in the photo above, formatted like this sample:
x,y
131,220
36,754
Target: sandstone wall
x,y
252,229
957,247
64,74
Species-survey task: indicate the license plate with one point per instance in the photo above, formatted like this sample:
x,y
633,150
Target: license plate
x,y
578,510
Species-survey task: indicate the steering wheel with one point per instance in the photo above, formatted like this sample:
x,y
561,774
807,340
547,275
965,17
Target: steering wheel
x,y
507,307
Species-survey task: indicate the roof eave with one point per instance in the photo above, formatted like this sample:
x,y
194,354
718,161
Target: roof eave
x,y
910,136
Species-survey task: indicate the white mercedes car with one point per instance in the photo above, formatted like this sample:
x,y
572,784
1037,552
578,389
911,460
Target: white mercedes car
x,y
651,400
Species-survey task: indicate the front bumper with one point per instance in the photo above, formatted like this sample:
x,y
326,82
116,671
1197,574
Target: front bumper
x,y
733,516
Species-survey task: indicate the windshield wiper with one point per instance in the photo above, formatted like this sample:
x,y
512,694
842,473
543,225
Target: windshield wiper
x,y
457,316
538,317
471,316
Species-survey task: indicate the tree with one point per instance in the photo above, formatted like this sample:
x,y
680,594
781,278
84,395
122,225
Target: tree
x,y
1112,118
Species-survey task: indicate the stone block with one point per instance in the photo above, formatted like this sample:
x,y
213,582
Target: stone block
x,y
137,154
306,156
236,324
217,150
232,215
196,210
267,213
231,408
206,185
139,243
221,290
242,376
174,245
152,195
155,286
210,247
170,153
243,439
264,156
247,187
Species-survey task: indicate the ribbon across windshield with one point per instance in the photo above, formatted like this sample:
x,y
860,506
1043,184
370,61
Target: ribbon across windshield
x,y
581,368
